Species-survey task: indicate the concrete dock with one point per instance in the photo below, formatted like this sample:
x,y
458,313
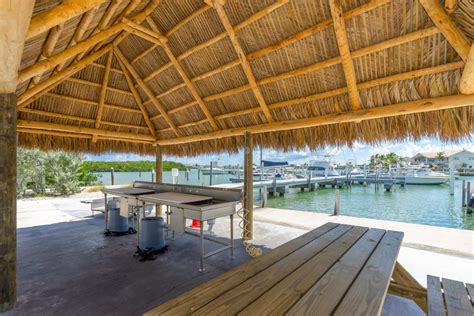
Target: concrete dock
x,y
67,266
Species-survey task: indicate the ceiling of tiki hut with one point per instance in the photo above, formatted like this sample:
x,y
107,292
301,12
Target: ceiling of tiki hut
x,y
192,76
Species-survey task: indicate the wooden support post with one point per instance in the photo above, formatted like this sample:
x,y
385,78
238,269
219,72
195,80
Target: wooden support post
x,y
14,19
248,187
159,174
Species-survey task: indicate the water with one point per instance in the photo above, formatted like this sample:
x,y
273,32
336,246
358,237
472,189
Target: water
x,y
420,204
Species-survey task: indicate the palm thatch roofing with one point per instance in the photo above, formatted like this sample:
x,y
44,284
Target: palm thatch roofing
x,y
192,76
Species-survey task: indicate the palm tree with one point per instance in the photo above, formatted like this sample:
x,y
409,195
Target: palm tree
x,y
441,156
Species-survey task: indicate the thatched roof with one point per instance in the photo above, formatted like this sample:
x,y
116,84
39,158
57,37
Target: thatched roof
x,y
295,72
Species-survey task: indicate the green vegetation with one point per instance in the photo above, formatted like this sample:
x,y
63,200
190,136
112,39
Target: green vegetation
x,y
384,160
128,166
60,172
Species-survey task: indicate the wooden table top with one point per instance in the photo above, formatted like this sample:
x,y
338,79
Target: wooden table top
x,y
334,269
176,197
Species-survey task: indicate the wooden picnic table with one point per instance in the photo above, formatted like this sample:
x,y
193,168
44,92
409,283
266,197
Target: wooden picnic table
x,y
334,269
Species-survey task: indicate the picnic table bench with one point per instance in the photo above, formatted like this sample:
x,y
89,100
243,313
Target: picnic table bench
x,y
334,269
449,297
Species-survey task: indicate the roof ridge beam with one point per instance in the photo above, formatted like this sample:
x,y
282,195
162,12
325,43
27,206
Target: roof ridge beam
x,y
452,34
353,116
344,51
218,6
183,74
147,90
139,101
60,14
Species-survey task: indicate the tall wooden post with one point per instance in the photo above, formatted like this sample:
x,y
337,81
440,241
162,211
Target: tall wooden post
x,y
14,19
159,174
248,187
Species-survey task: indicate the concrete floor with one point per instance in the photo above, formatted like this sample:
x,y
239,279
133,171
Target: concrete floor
x,y
67,266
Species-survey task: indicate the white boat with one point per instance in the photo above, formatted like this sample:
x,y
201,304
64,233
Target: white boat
x,y
426,176
321,168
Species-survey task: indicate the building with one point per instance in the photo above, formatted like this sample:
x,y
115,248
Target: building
x,y
463,159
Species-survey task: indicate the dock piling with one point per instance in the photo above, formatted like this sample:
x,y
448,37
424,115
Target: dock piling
x,y
337,203
463,199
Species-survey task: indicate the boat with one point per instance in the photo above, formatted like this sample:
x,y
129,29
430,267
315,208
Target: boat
x,y
426,176
322,168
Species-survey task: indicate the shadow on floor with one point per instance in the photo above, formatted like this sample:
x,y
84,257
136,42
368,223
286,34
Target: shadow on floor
x,y
72,268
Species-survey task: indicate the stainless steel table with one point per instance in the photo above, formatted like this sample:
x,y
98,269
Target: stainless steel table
x,y
200,208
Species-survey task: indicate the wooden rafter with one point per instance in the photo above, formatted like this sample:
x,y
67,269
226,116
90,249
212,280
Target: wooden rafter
x,y
419,106
182,73
84,130
103,93
98,85
48,49
452,34
466,86
43,87
138,99
59,15
78,33
360,86
217,5
147,90
346,59
450,6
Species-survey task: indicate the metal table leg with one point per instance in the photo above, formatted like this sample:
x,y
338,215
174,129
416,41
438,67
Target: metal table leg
x,y
106,213
201,236
232,235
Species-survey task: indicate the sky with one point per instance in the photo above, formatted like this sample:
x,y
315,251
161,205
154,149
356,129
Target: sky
x,y
359,153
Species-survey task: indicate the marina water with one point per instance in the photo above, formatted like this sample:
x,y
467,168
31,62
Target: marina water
x,y
419,204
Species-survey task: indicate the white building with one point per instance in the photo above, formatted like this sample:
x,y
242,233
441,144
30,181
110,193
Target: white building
x,y
463,159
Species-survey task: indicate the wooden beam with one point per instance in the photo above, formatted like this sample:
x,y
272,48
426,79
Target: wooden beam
x,y
450,6
59,15
103,93
78,33
419,106
147,90
452,34
14,19
182,73
83,130
48,49
466,85
330,62
45,65
247,200
91,102
343,44
242,57
37,91
138,99
371,5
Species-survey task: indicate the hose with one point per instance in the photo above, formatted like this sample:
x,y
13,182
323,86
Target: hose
x,y
252,250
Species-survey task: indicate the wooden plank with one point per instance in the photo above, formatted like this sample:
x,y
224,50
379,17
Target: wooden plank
x,y
279,299
457,301
346,59
403,277
435,297
201,295
325,295
233,301
367,294
452,34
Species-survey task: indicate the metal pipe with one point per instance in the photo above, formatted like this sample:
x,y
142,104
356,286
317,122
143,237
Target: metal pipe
x,y
112,177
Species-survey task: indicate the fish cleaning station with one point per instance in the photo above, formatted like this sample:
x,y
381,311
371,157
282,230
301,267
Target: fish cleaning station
x,y
182,78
